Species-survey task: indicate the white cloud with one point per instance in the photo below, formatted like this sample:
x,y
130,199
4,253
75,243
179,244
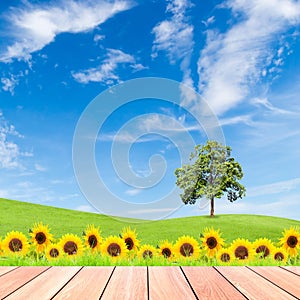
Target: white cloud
x,y
232,62
175,37
40,168
34,26
9,84
267,104
98,37
86,208
274,188
106,72
245,119
10,152
133,192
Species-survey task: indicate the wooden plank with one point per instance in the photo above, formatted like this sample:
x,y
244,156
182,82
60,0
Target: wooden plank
x,y
209,284
252,285
282,278
168,283
293,269
89,283
46,285
4,270
11,281
127,283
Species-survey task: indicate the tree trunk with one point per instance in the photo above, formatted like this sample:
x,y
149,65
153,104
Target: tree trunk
x,y
212,207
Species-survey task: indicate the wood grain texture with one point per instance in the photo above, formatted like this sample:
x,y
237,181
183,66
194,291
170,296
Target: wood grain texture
x,y
295,270
88,283
209,284
11,281
283,278
4,270
127,283
252,285
167,283
46,285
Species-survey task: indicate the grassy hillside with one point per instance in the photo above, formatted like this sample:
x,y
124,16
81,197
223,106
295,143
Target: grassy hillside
x,y
15,215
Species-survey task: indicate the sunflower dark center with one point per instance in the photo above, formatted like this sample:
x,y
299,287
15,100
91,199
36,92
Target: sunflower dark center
x,y
241,252
225,257
263,251
114,249
129,243
166,252
211,242
40,237
147,253
279,256
186,249
70,248
54,252
92,241
15,245
292,241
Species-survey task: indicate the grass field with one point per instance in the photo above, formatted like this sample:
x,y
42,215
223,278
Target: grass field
x,y
15,215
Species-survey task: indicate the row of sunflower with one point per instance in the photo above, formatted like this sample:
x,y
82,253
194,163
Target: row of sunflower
x,y
210,246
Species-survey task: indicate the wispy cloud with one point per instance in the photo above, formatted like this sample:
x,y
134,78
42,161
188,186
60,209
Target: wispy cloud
x,y
133,192
106,72
274,188
33,26
10,152
9,84
232,62
175,37
40,168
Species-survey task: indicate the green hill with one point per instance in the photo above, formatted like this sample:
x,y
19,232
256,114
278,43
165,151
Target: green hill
x,y
15,215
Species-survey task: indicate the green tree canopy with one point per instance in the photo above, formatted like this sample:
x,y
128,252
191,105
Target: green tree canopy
x,y
212,173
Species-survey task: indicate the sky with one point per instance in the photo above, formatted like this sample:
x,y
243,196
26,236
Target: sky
x,y
100,102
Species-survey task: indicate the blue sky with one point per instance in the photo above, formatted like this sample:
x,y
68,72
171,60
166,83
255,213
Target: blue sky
x,y
241,57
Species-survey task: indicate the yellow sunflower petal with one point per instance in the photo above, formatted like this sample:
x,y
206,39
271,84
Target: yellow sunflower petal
x,y
53,251
225,256
187,247
242,249
71,245
114,247
147,251
92,238
212,241
166,249
130,238
291,241
41,236
279,254
263,247
15,242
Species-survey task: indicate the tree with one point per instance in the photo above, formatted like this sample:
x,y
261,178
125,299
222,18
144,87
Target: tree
x,y
213,173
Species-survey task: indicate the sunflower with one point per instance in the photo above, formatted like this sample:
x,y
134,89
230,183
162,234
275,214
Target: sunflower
x,y
114,247
279,254
291,241
212,241
40,236
53,251
225,256
15,242
92,238
130,238
71,244
263,247
242,249
147,251
166,249
186,247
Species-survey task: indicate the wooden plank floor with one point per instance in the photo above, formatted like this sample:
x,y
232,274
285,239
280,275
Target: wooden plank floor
x,y
170,283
